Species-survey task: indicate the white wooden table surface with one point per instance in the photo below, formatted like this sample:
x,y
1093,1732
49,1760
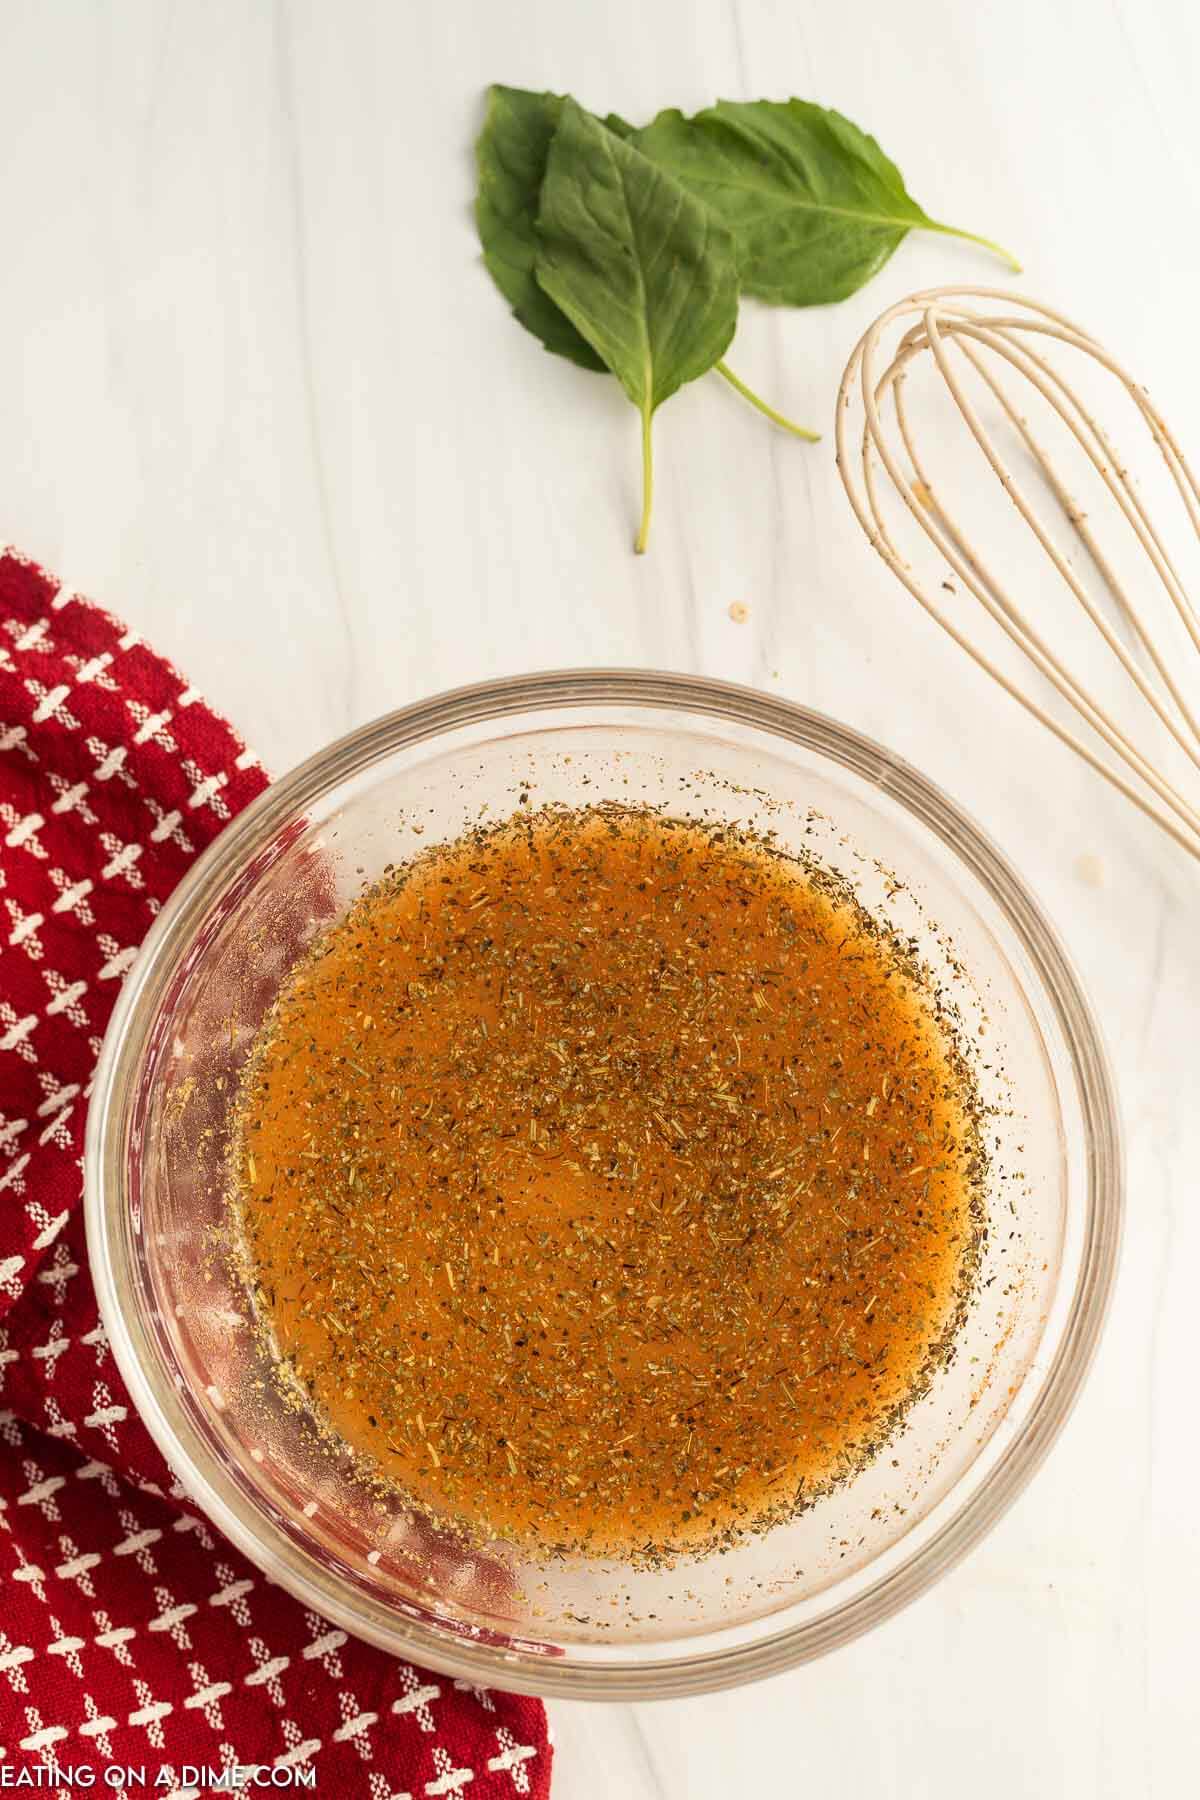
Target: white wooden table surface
x,y
258,396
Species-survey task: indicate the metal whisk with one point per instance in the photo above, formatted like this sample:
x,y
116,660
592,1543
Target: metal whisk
x,y
993,363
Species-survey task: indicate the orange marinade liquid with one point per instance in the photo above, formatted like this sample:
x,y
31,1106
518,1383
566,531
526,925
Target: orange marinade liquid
x,y
606,1182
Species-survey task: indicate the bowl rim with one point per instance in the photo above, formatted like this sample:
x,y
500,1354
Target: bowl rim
x,y
106,1207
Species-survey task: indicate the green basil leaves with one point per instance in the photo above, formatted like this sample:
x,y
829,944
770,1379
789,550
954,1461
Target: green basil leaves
x,y
625,249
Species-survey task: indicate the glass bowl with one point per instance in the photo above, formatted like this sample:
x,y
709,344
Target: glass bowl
x,y
182,1329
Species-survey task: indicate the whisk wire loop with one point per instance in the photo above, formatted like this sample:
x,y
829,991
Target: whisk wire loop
x,y
943,325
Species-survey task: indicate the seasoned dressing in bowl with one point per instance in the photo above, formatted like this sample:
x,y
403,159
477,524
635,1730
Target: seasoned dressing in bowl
x,y
269,1464
609,1182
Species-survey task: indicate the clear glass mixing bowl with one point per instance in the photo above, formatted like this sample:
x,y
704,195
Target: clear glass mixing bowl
x,y
180,1326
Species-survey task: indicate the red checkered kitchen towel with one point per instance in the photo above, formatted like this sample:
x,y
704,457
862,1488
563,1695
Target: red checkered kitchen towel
x,y
132,1636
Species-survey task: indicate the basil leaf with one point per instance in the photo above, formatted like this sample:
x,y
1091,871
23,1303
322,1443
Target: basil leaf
x,y
510,156
510,159
643,270
815,206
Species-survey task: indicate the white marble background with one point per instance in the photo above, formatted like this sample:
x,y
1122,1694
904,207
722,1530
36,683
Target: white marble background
x,y
258,396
